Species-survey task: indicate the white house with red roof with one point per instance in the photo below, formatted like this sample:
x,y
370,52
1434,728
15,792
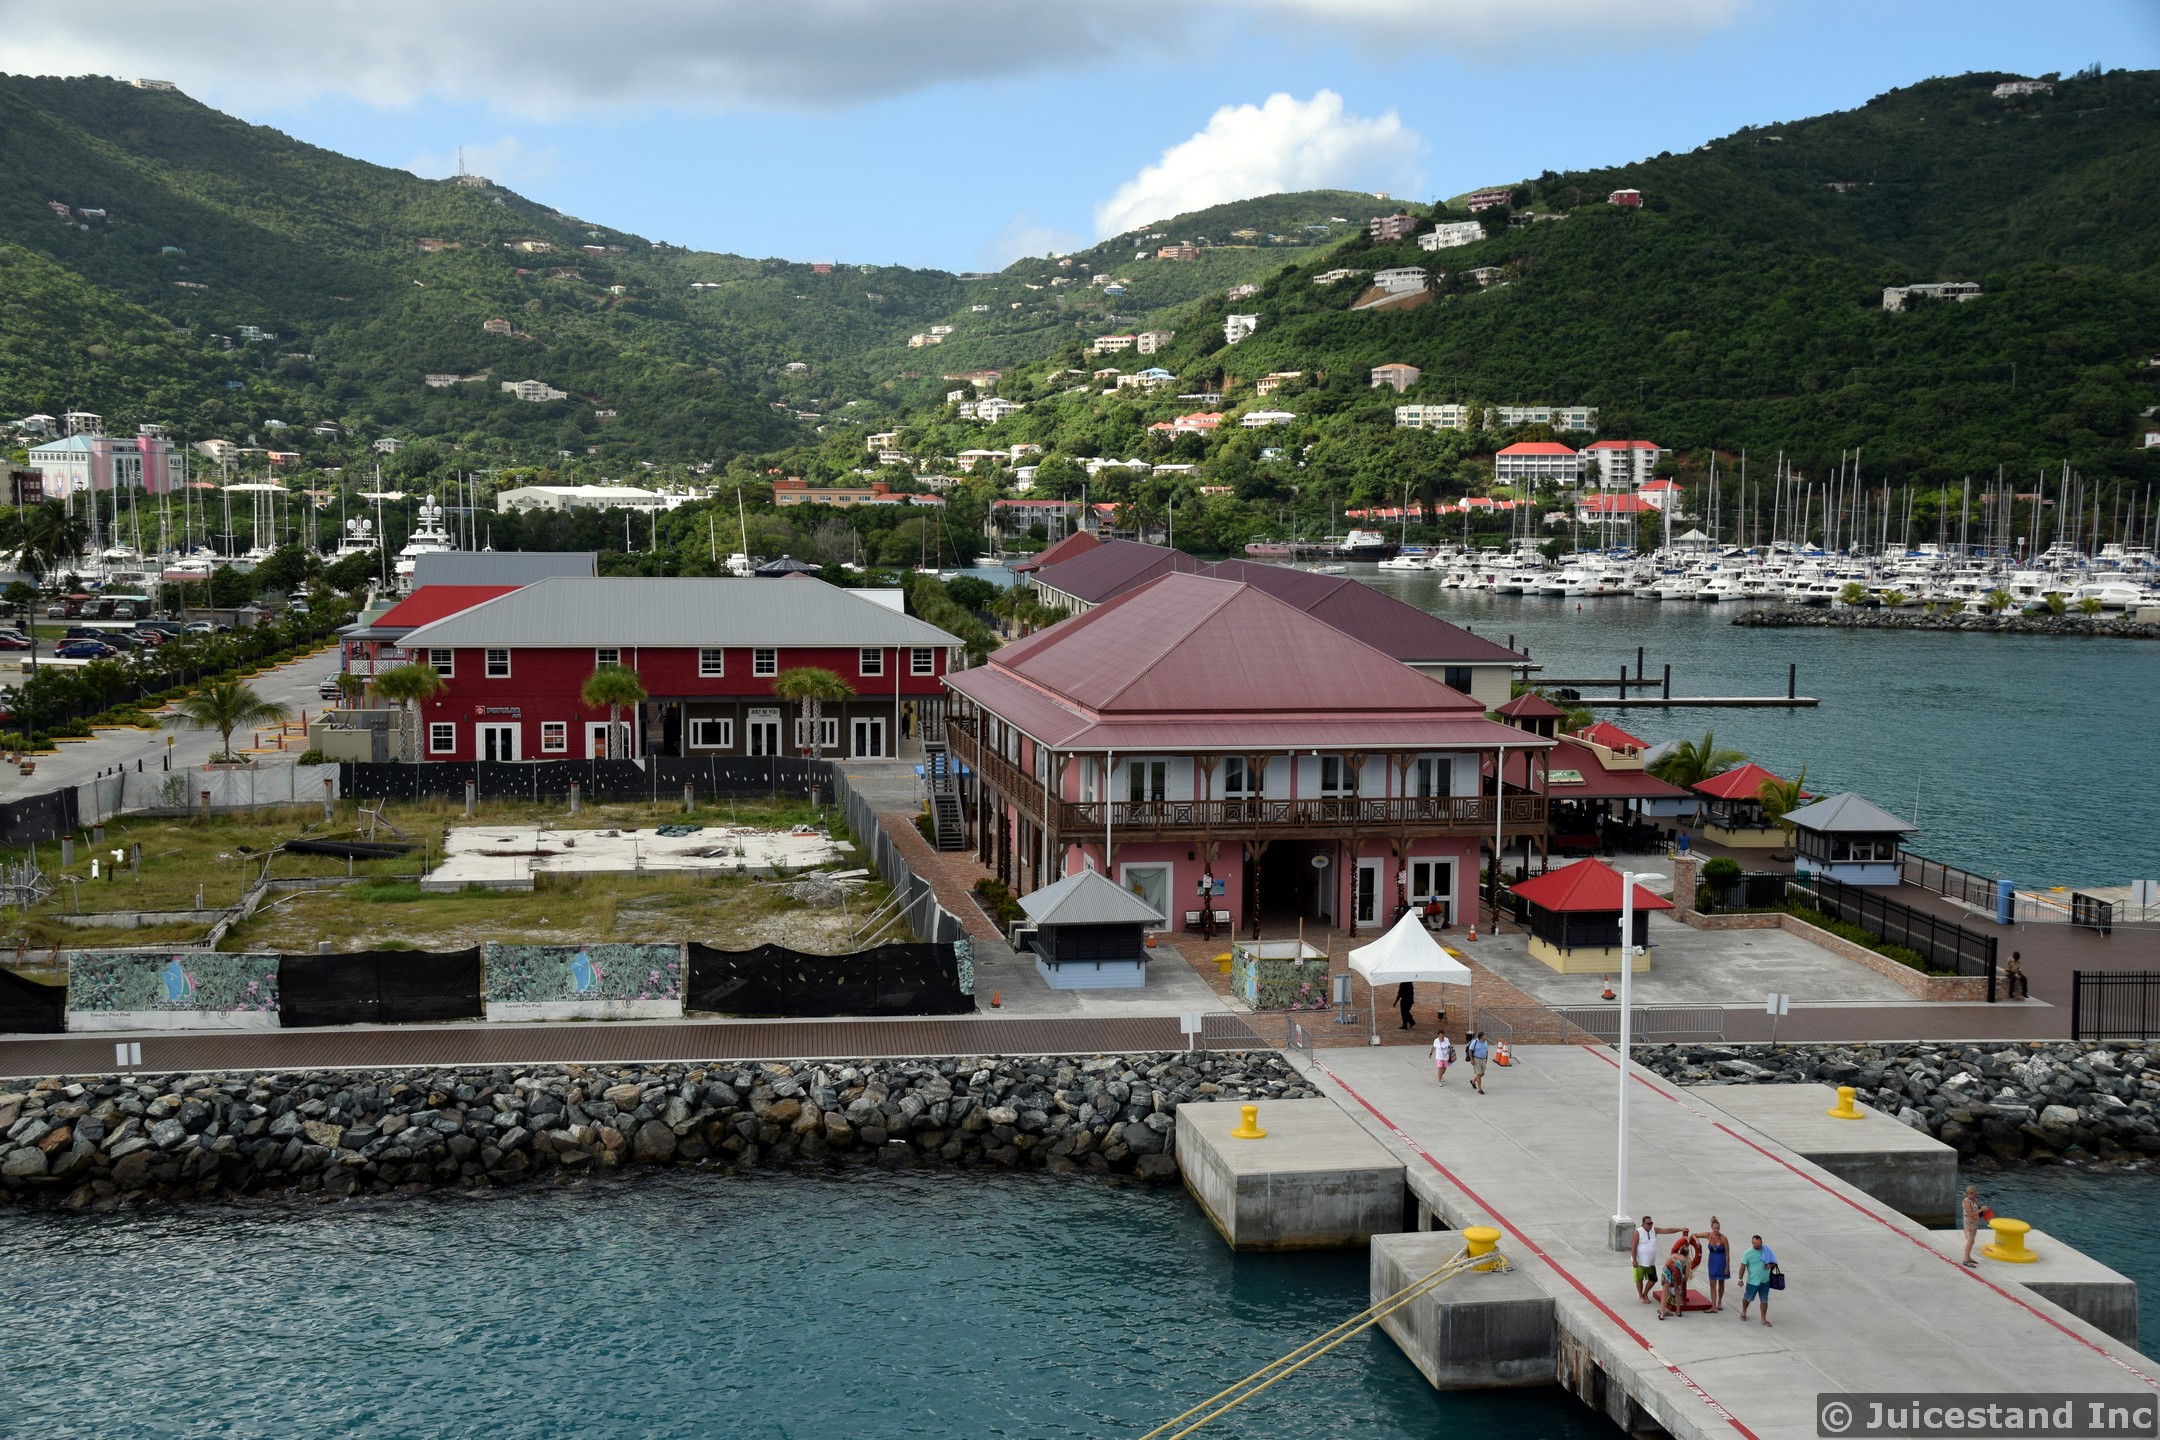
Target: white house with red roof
x,y
1662,494
1535,460
1611,509
1199,731
1623,464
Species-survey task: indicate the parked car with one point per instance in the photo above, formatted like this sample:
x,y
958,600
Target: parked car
x,y
329,689
83,650
148,637
201,627
82,632
163,627
14,642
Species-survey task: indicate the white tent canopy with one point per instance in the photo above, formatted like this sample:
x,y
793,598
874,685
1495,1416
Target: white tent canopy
x,y
1408,952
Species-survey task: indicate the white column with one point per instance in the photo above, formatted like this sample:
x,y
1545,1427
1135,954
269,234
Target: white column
x,y
1627,1003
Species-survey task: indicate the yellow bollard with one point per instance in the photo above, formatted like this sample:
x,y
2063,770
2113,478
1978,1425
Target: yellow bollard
x,y
2009,1243
1480,1240
1248,1126
1845,1109
1222,962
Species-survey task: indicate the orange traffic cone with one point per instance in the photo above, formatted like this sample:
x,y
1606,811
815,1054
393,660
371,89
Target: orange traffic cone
x,y
994,999
1500,1055
1608,989
1473,930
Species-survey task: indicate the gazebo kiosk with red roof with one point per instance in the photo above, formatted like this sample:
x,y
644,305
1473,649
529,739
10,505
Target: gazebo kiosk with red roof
x,y
1733,816
1574,916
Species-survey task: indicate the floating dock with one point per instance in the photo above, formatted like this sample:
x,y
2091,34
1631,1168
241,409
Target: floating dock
x,y
1877,1302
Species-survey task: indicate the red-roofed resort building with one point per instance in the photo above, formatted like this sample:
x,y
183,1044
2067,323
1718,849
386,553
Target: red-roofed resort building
x,y
1197,730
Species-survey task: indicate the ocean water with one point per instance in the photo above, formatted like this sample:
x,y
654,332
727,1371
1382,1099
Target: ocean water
x,y
691,1304
2113,1216
2025,756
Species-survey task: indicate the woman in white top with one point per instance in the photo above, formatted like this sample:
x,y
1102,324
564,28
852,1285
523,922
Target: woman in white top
x,y
1443,1052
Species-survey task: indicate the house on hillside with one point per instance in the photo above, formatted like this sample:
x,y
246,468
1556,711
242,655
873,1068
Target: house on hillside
x,y
1489,199
1401,280
1147,342
1111,344
1435,417
1396,376
1894,297
1262,419
1177,252
1237,327
1624,464
1628,199
1330,277
1202,732
1392,227
1535,460
2011,89
535,391
1270,383
496,326
1451,234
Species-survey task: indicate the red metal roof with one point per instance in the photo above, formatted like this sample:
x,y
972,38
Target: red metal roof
x,y
1611,736
1616,505
1531,706
1596,782
1077,543
1189,662
1621,445
1537,447
435,602
1739,783
1585,887
1363,613
1110,568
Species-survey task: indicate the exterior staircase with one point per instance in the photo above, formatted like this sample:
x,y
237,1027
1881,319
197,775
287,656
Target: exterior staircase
x,y
948,820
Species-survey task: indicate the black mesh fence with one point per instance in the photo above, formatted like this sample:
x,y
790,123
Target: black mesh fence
x,y
28,1008
773,980
379,987
38,817
657,779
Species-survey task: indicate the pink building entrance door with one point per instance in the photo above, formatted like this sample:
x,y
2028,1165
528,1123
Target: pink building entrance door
x,y
1430,881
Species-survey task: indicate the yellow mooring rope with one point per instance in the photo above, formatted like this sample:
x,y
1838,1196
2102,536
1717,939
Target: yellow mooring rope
x,y
1238,1393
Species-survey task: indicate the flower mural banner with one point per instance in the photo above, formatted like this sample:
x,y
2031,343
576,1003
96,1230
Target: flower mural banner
x,y
171,990
583,982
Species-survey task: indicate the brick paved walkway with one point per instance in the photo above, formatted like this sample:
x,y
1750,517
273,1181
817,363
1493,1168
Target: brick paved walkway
x,y
951,873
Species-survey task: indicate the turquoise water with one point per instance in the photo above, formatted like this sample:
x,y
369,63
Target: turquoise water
x,y
2108,1215
2027,756
697,1305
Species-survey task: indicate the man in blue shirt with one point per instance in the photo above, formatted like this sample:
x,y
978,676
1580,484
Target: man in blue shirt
x,y
1755,1263
1480,1052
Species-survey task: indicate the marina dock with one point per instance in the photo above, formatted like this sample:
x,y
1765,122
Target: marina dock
x,y
1876,1301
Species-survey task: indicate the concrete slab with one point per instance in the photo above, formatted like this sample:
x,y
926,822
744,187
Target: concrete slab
x,y
1317,1179
510,855
1476,1331
2070,1278
1914,1174
1869,1292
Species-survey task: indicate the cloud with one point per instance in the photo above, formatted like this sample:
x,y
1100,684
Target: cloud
x,y
1282,144
1023,236
551,58
508,161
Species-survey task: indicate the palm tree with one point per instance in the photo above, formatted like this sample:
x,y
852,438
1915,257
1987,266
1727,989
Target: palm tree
x,y
614,686
2056,601
1853,593
1998,601
1894,599
1691,762
52,538
225,706
2090,605
812,686
1780,798
407,687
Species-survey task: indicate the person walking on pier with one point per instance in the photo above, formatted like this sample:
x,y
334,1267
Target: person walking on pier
x,y
1644,1248
1443,1055
1405,998
1716,1262
1755,1263
1480,1052
1969,1219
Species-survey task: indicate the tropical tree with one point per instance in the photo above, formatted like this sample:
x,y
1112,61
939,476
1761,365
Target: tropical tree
x,y
1895,599
1853,593
51,537
224,706
1691,762
408,687
2090,605
811,686
614,686
1998,601
1780,798
350,686
2056,602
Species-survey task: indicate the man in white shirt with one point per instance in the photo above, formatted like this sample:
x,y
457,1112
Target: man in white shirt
x,y
1645,1255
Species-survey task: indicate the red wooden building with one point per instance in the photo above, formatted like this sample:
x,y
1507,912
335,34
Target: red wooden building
x,y
707,652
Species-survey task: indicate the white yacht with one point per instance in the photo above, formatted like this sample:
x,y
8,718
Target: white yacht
x,y
430,536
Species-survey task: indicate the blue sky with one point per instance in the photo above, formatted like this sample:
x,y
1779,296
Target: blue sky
x,y
961,133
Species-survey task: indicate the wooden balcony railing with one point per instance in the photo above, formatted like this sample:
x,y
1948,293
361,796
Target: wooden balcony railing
x,y
1328,814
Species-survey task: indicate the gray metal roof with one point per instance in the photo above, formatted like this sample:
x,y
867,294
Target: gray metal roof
x,y
500,567
1088,899
1848,814
626,610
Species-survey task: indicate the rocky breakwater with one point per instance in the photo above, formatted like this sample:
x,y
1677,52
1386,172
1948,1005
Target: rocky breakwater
x,y
2007,623
2011,1102
97,1142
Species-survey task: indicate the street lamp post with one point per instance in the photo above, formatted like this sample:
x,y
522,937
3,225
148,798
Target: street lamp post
x,y
1621,1216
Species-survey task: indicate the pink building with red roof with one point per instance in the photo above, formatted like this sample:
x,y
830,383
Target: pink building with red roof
x,y
1535,460
1623,464
1198,730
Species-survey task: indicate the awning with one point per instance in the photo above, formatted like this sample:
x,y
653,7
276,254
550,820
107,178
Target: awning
x,y
1408,952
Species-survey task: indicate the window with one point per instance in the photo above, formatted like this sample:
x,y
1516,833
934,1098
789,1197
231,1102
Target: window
x,y
828,732
1146,780
1456,677
441,738
1240,778
764,662
870,661
1336,777
607,655
712,662
554,737
712,734
444,661
1432,776
922,661
498,664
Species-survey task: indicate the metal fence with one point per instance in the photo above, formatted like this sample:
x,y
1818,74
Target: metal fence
x,y
1752,891
1948,880
2097,915
1299,1041
2115,1005
654,780
1649,1024
926,918
1944,947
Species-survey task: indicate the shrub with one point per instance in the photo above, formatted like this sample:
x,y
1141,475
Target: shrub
x,y
996,899
1903,954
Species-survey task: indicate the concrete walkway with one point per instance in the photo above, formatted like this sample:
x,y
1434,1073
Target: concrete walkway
x,y
1873,1306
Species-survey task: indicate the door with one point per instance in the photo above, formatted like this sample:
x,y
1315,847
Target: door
x,y
1365,897
764,731
497,742
869,736
1433,881
1146,780
596,740
1151,883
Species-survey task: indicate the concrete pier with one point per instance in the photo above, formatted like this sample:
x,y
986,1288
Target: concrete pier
x,y
1475,1332
1874,1304
2080,1284
1318,1179
1914,1174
